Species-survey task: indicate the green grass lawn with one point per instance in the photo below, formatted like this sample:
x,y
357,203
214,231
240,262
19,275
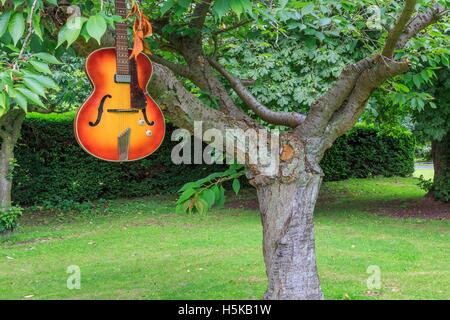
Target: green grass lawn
x,y
141,249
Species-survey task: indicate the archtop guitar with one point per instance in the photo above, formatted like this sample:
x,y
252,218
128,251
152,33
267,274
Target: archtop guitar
x,y
119,122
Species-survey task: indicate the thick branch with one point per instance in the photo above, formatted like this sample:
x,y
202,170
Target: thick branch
x,y
177,68
397,30
324,107
420,22
345,118
200,12
290,119
184,109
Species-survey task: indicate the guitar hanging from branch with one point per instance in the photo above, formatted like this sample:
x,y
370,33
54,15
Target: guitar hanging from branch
x,y
120,122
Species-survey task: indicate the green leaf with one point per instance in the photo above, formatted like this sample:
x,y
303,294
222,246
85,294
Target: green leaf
x,y
40,66
37,27
4,19
85,34
307,10
417,79
236,6
167,5
46,57
236,186
21,101
17,3
16,27
247,5
186,195
45,81
221,7
71,31
201,206
96,27
31,96
324,21
182,207
53,2
3,108
34,86
2,100
219,195
209,196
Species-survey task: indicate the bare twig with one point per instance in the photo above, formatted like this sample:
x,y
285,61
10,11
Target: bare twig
x,y
27,39
233,27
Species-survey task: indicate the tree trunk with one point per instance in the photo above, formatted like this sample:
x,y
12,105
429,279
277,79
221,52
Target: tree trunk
x,y
441,160
289,248
11,123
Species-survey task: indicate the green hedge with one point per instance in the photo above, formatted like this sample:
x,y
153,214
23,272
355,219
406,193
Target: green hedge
x,y
53,170
367,152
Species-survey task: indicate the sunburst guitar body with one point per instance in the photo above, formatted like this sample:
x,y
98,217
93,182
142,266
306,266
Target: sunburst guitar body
x,y
119,122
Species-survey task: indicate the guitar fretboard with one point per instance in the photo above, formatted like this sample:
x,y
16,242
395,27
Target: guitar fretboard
x,y
123,67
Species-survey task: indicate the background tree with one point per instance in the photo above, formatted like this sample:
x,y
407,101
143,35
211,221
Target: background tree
x,y
28,42
420,99
190,41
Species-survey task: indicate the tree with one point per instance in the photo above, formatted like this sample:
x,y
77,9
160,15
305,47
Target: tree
x,y
26,40
287,197
189,36
420,98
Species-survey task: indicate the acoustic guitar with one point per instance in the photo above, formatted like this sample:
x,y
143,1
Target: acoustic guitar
x,y
119,122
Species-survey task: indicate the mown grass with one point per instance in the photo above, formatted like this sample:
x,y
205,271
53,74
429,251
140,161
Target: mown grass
x,y
141,249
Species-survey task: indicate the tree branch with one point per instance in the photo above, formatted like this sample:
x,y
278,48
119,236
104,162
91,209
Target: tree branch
x,y
397,30
27,39
177,68
184,109
200,12
349,82
233,27
290,119
345,118
323,108
420,22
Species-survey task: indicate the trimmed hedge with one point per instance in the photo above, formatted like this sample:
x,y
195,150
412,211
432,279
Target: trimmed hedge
x,y
54,171
367,152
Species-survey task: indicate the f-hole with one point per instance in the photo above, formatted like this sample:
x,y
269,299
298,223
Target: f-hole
x,y
150,123
100,111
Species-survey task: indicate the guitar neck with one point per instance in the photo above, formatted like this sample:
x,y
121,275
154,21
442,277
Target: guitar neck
x,y
123,67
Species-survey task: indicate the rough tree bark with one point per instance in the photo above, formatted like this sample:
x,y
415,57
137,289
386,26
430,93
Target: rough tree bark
x,y
287,211
441,161
287,192
10,125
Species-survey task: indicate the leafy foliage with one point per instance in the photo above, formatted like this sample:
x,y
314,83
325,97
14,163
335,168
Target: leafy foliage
x,y
73,83
9,218
202,195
